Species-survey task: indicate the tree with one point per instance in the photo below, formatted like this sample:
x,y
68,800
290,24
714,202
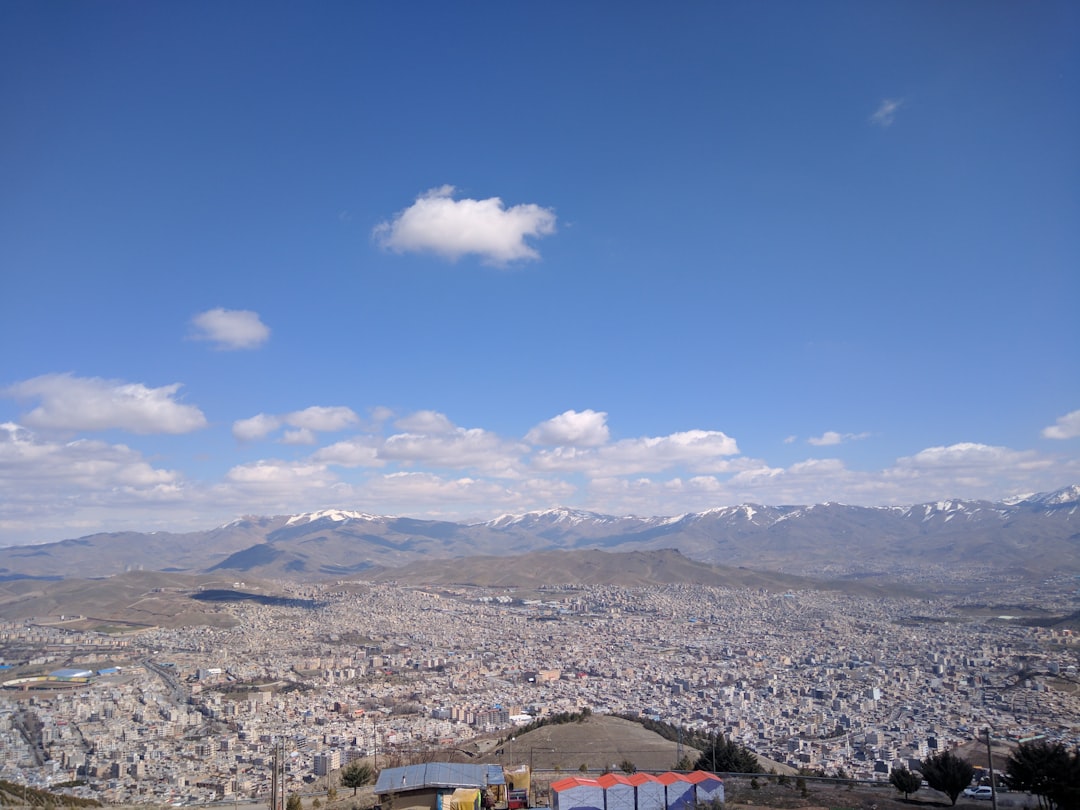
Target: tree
x,y
905,781
721,755
686,763
356,774
294,802
948,773
626,766
1046,770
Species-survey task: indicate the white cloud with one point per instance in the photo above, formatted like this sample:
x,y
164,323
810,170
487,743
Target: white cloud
x,y
699,450
572,429
423,465
230,328
91,403
437,223
463,448
1066,427
62,489
966,455
85,463
298,436
885,114
359,451
425,487
308,422
426,422
323,419
279,475
256,427
831,437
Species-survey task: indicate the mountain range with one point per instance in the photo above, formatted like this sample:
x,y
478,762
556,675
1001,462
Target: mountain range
x,y
1033,536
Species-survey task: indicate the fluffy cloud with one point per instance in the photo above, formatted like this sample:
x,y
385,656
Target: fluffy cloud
x,y
308,422
60,489
322,419
831,437
299,436
1067,427
969,456
700,450
360,451
256,427
230,328
572,429
426,466
91,403
458,493
426,422
279,475
462,448
885,114
437,223
86,464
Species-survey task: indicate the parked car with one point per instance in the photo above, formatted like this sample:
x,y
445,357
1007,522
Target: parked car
x,y
980,792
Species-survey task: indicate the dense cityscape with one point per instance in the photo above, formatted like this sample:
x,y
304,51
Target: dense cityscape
x,y
810,679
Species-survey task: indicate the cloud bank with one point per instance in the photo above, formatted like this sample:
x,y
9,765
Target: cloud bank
x,y
422,464
437,223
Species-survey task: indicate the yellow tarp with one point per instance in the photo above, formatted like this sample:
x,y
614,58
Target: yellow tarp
x,y
463,799
517,776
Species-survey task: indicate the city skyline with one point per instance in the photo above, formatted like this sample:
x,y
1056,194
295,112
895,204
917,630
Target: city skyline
x,y
272,260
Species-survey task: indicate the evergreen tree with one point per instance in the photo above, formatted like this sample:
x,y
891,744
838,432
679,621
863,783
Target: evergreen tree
x,y
948,773
1046,770
905,781
721,755
294,802
356,774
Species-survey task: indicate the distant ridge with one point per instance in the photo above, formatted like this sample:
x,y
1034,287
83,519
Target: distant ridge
x,y
1035,536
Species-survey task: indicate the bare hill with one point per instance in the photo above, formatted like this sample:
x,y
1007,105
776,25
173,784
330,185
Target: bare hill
x,y
598,742
592,567
125,601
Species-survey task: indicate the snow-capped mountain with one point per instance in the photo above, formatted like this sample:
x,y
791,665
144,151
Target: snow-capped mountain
x,y
1035,536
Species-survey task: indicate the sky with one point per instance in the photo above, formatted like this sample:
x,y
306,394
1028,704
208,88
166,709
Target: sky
x,y
458,260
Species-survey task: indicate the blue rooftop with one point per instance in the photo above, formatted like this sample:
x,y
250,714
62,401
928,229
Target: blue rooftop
x,y
438,775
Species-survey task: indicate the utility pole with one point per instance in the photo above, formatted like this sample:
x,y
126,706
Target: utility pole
x,y
990,763
273,778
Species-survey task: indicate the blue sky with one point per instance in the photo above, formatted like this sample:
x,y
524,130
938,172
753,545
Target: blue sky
x,y
458,260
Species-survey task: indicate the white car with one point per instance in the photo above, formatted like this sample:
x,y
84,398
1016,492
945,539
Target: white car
x,y
980,792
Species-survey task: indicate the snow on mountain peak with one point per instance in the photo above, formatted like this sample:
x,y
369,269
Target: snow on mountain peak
x,y
1059,497
335,515
560,515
